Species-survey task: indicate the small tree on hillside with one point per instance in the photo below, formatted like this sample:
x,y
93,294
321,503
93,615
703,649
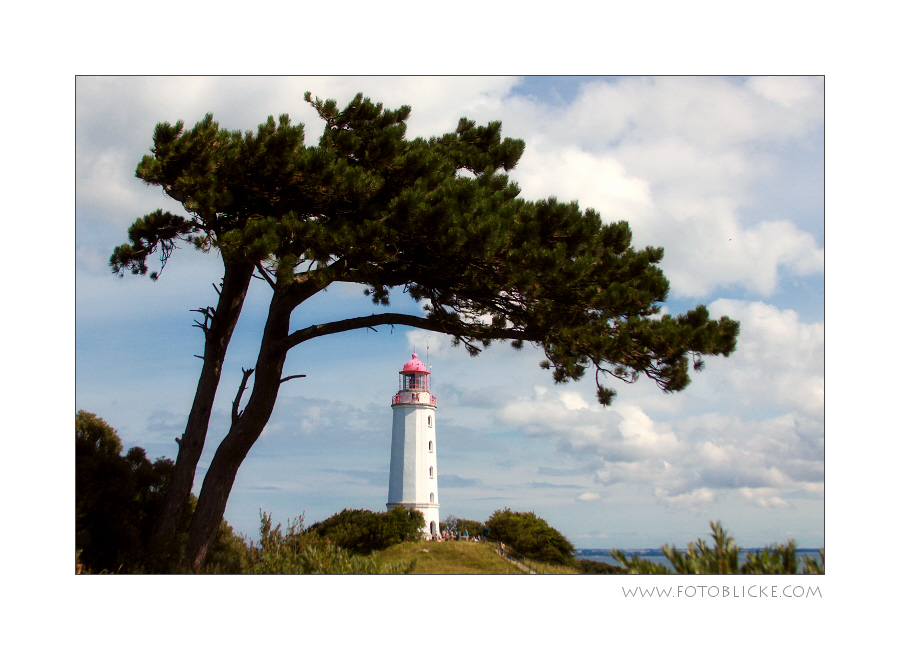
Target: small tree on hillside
x,y
531,536
453,524
364,531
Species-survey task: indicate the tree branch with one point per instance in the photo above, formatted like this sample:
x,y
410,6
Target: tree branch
x,y
208,314
265,275
284,379
458,328
237,400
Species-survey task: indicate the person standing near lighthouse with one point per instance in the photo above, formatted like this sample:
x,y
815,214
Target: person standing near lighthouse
x,y
413,481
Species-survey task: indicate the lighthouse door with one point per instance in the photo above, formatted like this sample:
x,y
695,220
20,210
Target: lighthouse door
x,y
433,528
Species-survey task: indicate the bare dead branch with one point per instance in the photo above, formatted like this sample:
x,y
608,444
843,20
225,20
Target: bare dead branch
x,y
290,377
208,314
237,400
265,275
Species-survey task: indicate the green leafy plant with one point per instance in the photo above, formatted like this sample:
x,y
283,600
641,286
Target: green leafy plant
x,y
453,524
531,536
722,557
117,502
364,531
296,550
116,498
813,566
594,567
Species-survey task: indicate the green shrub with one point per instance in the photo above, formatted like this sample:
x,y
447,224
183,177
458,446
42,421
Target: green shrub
x,y
811,566
117,500
531,536
295,551
364,531
453,524
594,567
722,558
229,553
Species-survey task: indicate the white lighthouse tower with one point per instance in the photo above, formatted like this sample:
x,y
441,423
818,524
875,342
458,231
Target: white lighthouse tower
x,y
413,481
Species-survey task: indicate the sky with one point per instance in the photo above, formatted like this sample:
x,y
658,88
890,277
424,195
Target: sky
x,y
725,173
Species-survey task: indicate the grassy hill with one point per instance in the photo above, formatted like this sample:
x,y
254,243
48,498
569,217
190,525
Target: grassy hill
x,y
456,558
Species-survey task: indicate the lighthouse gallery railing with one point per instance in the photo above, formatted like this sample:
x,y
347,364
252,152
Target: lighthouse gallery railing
x,y
414,398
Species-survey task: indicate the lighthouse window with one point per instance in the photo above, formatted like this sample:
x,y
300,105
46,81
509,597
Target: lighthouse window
x,y
431,472
429,422
430,442
432,497
414,382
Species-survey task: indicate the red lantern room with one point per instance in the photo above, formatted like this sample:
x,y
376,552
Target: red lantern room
x,y
415,384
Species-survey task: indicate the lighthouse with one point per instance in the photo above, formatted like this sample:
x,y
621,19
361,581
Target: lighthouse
x,y
413,481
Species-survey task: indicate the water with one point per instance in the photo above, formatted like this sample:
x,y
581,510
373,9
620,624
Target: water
x,y
656,555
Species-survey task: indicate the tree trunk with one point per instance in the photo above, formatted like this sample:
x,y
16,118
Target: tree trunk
x,y
235,284
244,432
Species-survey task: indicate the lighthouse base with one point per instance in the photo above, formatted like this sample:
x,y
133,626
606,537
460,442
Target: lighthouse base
x,y
431,511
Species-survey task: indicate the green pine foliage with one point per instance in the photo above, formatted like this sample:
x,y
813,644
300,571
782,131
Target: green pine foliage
x,y
531,536
369,206
722,557
437,219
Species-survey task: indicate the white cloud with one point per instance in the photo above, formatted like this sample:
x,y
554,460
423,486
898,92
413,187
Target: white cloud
x,y
92,259
763,498
779,360
695,500
680,160
432,342
789,91
572,174
686,460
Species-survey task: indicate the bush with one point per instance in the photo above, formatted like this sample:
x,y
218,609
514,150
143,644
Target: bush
x,y
531,536
297,551
117,500
594,567
453,524
229,553
364,531
722,558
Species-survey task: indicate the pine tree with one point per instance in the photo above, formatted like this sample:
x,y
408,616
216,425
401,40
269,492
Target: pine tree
x,y
437,217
